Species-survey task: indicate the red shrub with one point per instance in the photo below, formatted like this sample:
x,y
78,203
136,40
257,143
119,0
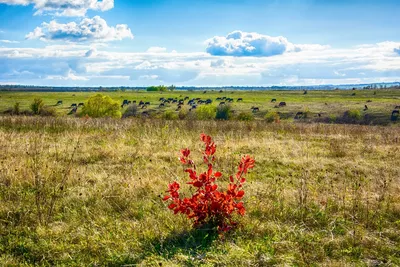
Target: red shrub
x,y
209,205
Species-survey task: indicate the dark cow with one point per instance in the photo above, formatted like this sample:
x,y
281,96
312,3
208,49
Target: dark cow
x,y
125,102
255,109
365,107
395,115
73,105
186,98
208,101
273,100
147,103
205,92
59,102
240,99
319,115
299,115
397,107
222,103
218,99
194,107
73,111
161,105
282,104
305,92
369,101
178,108
141,103
221,91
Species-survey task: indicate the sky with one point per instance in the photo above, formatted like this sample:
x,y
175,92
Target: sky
x,y
199,43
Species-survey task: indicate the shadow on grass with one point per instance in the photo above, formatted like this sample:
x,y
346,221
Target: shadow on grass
x,y
195,242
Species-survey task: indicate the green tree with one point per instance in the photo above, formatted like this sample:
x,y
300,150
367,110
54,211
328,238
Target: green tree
x,y
101,106
172,88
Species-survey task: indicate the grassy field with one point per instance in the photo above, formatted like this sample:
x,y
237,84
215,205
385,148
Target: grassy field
x,y
78,192
328,104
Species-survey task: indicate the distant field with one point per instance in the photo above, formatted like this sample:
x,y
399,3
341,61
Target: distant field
x,y
326,103
319,195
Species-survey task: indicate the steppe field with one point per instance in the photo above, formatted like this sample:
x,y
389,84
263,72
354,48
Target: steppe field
x,y
319,105
80,191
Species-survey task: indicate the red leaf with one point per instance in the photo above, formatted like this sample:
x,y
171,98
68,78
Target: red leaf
x,y
198,184
166,197
217,174
240,194
214,187
171,206
243,180
231,179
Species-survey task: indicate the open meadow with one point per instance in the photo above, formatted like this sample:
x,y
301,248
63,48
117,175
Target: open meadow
x,y
371,106
87,192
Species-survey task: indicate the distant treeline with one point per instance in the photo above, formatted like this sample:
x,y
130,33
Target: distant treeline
x,y
163,88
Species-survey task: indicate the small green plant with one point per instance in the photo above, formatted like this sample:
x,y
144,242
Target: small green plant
x,y
131,111
99,106
206,112
37,106
183,113
223,112
306,113
245,116
16,108
272,116
354,114
332,118
170,115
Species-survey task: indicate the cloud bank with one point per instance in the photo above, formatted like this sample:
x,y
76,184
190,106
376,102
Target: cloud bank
x,y
242,44
83,64
63,7
95,29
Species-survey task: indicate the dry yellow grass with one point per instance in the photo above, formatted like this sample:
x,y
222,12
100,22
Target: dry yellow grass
x,y
319,194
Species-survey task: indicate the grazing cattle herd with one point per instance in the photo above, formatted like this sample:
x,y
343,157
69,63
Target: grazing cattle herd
x,y
193,103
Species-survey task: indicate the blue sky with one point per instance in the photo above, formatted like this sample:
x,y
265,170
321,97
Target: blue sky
x,y
203,43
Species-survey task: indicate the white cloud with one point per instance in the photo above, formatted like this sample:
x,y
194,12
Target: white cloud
x,y
95,29
156,49
239,44
64,7
9,42
70,76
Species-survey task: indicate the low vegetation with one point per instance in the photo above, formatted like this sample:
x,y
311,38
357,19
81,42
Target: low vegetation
x,y
89,192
